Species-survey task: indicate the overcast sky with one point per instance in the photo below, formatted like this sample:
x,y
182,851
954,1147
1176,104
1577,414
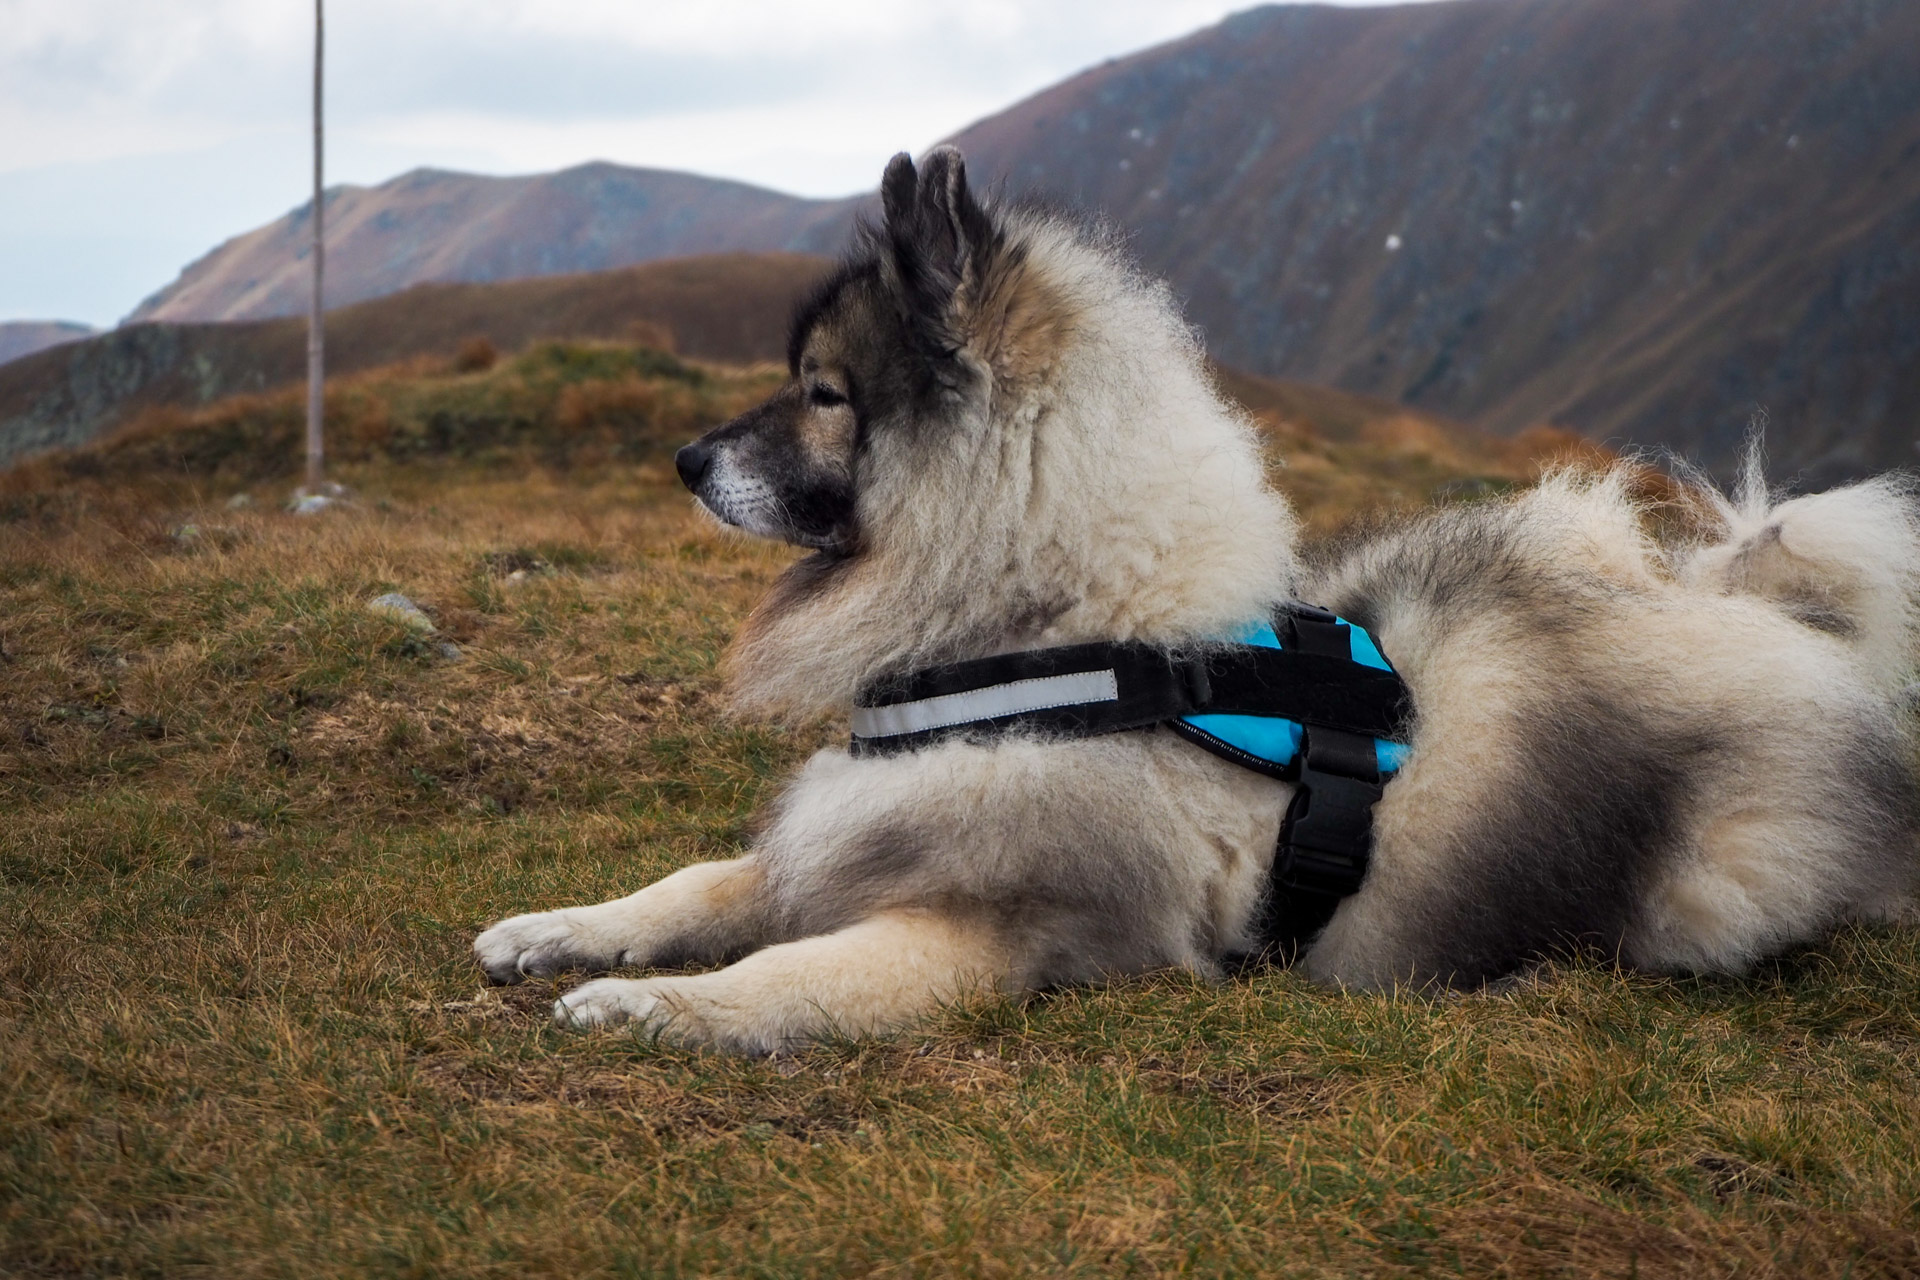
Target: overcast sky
x,y
135,135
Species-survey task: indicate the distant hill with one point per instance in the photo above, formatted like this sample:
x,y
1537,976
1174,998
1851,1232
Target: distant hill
x,y
430,225
24,337
1644,219
731,308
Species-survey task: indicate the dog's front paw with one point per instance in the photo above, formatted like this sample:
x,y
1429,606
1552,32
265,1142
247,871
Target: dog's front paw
x,y
538,946
606,1001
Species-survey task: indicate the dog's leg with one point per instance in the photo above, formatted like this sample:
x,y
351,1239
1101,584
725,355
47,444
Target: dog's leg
x,y
701,913
867,979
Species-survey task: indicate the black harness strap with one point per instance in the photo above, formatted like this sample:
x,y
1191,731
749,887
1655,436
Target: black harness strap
x,y
1154,686
1326,839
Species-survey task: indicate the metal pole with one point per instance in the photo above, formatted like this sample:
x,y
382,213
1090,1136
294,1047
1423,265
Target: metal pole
x,y
316,324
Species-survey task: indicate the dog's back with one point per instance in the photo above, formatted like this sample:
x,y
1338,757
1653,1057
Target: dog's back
x,y
1685,758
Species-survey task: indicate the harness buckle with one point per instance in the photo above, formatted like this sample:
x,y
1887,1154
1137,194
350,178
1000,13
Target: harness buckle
x,y
1327,837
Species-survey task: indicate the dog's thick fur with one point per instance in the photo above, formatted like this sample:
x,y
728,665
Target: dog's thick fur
x,y
998,436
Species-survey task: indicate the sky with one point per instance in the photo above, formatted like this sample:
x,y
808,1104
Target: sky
x,y
136,135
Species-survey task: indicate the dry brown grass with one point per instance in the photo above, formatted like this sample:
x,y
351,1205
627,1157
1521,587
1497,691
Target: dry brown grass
x,y
251,828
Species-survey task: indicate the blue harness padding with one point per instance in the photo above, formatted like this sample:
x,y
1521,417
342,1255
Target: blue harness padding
x,y
1277,740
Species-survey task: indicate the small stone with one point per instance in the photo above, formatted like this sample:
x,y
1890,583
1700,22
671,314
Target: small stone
x,y
308,502
240,502
402,610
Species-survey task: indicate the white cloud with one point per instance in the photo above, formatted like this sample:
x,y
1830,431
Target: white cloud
x,y
93,79
809,96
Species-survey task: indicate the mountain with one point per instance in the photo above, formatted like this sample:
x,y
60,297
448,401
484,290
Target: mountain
x,y
731,308
1645,219
24,337
431,225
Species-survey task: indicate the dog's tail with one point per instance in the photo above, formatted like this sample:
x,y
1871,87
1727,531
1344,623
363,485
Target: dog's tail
x,y
1846,561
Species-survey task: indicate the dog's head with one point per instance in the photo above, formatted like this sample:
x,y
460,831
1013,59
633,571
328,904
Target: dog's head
x,y
995,432
896,345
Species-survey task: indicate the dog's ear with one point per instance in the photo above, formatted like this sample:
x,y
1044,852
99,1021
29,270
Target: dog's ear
x,y
939,238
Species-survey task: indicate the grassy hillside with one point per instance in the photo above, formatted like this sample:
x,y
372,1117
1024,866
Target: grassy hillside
x,y
556,404
252,827
730,307
579,404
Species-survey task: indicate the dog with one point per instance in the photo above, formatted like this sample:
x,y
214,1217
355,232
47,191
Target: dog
x,y
998,435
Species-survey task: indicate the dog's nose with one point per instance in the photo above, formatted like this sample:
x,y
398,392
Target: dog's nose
x,y
692,462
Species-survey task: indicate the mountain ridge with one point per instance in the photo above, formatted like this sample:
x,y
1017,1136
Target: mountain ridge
x,y
442,226
1646,219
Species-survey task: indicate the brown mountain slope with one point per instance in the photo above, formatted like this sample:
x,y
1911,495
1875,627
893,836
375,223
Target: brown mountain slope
x,y
1646,219
430,225
730,307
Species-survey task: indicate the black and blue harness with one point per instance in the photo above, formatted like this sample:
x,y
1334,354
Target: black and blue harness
x,y
1307,698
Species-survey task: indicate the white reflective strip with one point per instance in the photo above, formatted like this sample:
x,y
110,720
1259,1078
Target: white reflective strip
x,y
989,703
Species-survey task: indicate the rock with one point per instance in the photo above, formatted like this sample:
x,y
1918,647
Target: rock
x,y
308,502
402,610
240,502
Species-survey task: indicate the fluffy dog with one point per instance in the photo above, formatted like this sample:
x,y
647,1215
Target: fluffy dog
x,y
998,436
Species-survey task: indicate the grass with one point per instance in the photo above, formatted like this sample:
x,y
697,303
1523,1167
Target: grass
x,y
251,828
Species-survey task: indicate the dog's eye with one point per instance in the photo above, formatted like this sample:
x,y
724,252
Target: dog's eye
x,y
825,396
